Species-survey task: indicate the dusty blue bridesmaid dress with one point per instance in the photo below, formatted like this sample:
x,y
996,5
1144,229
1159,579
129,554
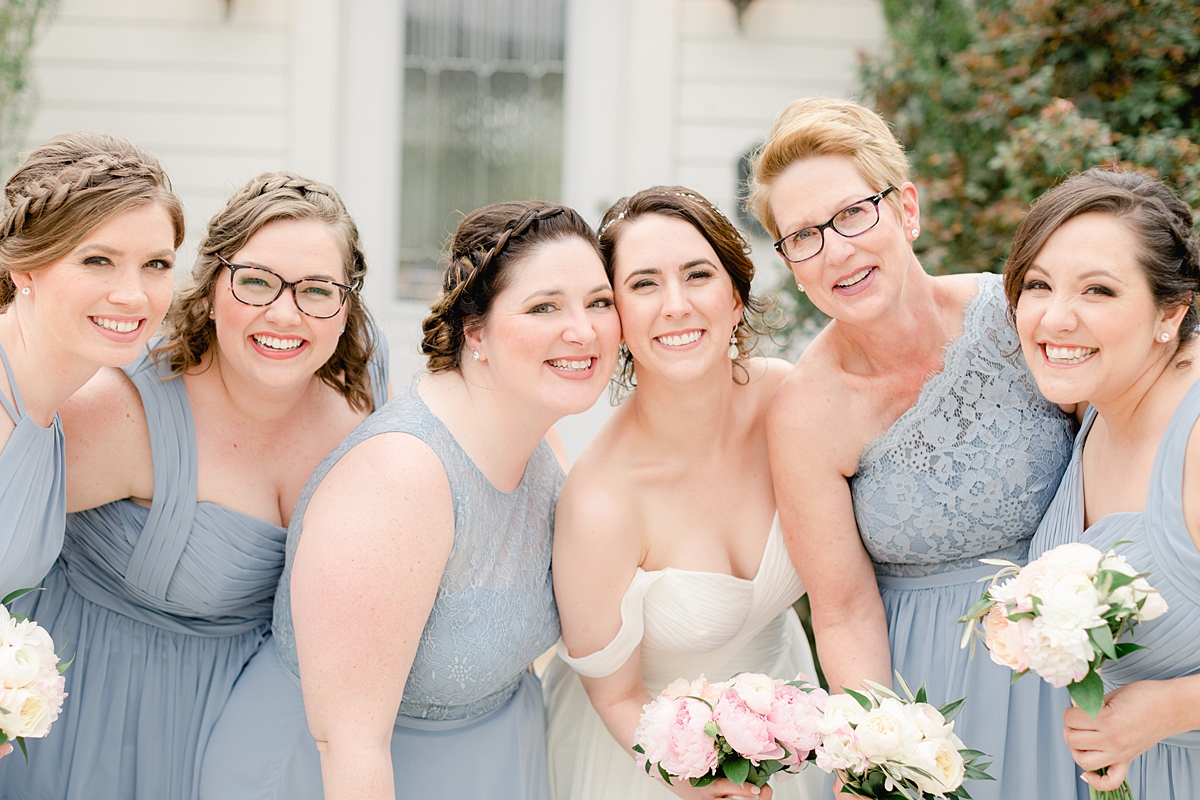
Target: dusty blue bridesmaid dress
x,y
161,608
966,473
33,504
1160,544
471,725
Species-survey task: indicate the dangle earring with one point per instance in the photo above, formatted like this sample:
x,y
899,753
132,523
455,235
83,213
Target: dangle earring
x,y
733,345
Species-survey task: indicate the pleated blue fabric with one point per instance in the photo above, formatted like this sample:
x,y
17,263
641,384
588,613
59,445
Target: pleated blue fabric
x,y
471,723
1158,543
161,608
967,473
33,501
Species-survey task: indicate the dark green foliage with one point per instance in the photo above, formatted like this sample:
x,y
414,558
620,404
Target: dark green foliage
x,y
998,104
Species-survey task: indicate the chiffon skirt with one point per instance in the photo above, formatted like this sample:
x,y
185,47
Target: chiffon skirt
x,y
262,747
141,701
1019,725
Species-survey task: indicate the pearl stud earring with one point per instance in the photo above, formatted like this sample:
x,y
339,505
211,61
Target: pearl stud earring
x,y
475,355
915,233
1164,337
25,290
800,286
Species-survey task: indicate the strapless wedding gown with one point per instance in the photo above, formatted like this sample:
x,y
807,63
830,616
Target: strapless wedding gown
x,y
688,623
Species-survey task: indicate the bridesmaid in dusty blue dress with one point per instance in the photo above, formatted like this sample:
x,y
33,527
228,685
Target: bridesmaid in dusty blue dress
x,y
1103,276
908,442
417,589
188,464
70,303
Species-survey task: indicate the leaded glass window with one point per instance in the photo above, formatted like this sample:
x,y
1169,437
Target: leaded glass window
x,y
483,100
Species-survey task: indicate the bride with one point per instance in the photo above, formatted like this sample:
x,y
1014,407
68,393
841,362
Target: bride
x,y
668,557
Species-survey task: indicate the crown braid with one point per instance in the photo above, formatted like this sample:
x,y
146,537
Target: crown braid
x,y
478,268
69,186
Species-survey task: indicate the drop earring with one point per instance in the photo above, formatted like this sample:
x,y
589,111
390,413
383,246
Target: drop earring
x,y
733,346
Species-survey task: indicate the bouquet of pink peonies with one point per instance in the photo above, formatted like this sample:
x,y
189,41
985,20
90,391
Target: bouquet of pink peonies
x,y
746,729
886,747
1061,616
31,682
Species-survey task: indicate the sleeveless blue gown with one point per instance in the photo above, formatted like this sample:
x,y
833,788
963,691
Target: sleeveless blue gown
x,y
1160,544
471,724
33,500
964,474
161,608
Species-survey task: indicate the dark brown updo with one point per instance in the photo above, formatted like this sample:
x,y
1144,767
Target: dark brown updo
x,y
486,244
1169,253
728,243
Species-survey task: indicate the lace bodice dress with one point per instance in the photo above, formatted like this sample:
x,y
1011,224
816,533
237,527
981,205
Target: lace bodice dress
x,y
33,503
1158,542
161,608
688,623
471,723
964,474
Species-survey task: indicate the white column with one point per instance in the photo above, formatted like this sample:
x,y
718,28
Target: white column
x,y
314,89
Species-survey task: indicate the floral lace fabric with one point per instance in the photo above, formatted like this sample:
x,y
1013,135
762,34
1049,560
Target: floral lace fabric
x,y
970,469
494,612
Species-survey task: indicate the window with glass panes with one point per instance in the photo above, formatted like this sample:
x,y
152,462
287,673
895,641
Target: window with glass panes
x,y
483,102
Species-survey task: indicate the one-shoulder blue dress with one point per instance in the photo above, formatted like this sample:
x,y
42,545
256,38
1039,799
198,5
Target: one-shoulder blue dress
x,y
471,724
33,501
161,608
964,474
1158,543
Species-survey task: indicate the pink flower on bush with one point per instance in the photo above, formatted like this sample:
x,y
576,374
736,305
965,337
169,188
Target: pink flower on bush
x,y
793,719
746,732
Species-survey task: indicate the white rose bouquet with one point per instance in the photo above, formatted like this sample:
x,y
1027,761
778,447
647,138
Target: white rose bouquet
x,y
31,682
746,729
1061,616
886,747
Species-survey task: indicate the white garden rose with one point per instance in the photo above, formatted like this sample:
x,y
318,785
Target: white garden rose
x,y
19,666
1057,664
1034,580
839,751
929,721
841,712
887,733
1069,608
756,690
1073,558
1154,607
29,713
942,761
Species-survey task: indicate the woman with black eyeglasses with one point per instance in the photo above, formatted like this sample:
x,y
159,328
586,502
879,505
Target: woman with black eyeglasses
x,y
909,441
183,471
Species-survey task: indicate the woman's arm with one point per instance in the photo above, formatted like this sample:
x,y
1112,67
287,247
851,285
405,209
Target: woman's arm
x,y
108,443
377,535
806,438
597,550
1133,719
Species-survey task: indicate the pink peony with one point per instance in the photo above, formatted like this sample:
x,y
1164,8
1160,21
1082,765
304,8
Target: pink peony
x,y
746,732
793,721
671,734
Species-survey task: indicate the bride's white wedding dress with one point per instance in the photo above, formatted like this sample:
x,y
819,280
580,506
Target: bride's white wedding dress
x,y
688,623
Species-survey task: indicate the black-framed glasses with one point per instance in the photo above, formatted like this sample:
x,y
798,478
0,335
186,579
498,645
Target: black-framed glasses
x,y
851,221
256,286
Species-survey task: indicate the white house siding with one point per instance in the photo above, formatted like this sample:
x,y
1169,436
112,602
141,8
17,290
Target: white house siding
x,y
218,98
656,91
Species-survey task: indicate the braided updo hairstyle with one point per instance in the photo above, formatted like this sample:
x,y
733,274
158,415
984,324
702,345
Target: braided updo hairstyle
x,y
267,198
726,241
1168,251
68,187
486,244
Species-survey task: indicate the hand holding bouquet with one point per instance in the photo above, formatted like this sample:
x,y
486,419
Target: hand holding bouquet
x,y
1061,616
31,683
745,729
885,747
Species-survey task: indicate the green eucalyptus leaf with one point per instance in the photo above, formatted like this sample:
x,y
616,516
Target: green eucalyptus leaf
x,y
950,710
8,598
860,697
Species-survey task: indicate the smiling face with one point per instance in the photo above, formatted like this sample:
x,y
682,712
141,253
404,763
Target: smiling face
x,y
1088,323
677,303
104,300
851,279
277,345
551,334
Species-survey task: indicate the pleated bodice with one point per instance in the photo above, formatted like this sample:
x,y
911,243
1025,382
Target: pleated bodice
x,y
1158,543
33,502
